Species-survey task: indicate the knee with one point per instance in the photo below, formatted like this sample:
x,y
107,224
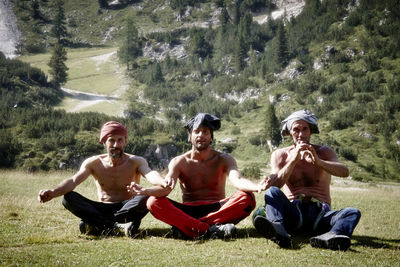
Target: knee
x,y
248,198
66,199
353,212
153,202
273,192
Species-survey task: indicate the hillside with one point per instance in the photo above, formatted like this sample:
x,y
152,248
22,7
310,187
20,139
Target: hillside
x,y
339,59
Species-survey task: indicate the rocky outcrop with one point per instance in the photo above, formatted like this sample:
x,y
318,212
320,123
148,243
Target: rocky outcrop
x,y
158,156
291,8
9,32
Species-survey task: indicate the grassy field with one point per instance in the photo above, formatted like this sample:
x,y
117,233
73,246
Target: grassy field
x,y
94,71
34,234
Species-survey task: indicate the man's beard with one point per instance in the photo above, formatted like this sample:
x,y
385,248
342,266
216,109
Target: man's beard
x,y
202,146
116,153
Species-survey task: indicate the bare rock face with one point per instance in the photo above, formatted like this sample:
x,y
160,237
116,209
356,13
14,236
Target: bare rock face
x,y
290,8
159,156
9,33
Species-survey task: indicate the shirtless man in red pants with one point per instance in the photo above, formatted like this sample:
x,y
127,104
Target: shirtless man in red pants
x,y
202,173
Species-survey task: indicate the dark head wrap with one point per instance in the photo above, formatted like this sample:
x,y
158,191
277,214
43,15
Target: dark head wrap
x,y
304,115
208,120
110,128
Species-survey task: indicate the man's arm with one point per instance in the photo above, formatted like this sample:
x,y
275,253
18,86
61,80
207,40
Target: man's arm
x,y
238,181
327,159
66,185
152,176
157,190
282,166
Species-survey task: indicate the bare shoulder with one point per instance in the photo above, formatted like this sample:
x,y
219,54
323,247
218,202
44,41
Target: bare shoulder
x,y
135,159
279,153
180,159
325,152
92,163
224,156
93,160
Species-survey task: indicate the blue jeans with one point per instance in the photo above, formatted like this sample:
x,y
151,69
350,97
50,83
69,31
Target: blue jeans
x,y
279,209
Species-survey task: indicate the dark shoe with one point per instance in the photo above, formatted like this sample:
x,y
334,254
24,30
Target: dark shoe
x,y
331,240
131,229
115,230
178,234
274,231
88,229
227,230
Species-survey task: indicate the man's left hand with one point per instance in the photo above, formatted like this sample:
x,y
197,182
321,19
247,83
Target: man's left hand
x,y
135,189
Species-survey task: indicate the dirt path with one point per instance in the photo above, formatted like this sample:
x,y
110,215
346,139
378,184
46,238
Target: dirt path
x,y
81,101
86,99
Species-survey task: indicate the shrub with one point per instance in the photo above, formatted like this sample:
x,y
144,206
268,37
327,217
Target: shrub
x,y
252,172
348,153
255,140
235,130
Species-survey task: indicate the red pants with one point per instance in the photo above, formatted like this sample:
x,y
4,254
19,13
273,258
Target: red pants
x,y
194,218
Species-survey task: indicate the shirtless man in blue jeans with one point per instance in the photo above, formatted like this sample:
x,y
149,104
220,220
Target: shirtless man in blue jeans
x,y
298,198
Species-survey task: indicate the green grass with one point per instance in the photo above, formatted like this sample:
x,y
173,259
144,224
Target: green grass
x,y
94,70
34,234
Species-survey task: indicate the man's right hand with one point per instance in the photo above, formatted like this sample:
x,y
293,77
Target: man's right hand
x,y
169,182
45,195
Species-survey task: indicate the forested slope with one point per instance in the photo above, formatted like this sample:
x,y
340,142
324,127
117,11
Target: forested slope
x,y
338,58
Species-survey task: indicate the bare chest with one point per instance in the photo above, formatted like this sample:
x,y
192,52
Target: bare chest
x,y
115,178
305,175
203,175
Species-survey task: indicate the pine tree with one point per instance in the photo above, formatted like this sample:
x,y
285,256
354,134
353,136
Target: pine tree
x,y
282,46
103,3
236,14
35,10
59,29
224,19
156,74
131,46
58,69
272,126
240,54
245,29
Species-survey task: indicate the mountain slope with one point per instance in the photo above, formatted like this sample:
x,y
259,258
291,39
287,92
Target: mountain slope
x,y
337,58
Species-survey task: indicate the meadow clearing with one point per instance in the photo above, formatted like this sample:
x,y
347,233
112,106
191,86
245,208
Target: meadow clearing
x,y
34,234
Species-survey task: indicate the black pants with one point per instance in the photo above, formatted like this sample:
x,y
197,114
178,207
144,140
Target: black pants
x,y
105,215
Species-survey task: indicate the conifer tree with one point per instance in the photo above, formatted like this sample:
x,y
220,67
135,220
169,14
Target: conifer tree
x,y
245,29
59,28
103,3
156,74
224,19
236,14
282,46
240,54
35,10
58,69
131,46
272,126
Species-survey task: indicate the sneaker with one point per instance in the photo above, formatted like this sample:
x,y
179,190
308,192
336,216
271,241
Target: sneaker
x,y
227,230
130,229
274,231
88,229
331,240
178,234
